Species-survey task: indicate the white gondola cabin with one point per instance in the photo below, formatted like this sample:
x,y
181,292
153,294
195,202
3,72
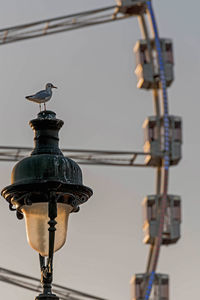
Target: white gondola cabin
x,y
147,68
172,219
154,140
160,288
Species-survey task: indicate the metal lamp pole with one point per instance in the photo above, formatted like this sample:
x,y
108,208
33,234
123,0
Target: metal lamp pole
x,y
46,187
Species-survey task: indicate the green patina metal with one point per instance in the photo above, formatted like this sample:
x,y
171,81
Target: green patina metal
x,y
46,176
46,169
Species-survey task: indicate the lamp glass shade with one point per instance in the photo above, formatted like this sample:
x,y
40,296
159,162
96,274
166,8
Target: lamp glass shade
x,y
36,218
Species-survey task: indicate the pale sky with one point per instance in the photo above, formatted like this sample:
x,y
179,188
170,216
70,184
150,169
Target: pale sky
x,y
102,109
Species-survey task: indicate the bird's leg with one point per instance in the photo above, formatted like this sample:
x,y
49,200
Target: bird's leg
x,y
40,106
44,106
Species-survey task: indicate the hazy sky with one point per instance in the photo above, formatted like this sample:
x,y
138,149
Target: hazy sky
x,y
102,109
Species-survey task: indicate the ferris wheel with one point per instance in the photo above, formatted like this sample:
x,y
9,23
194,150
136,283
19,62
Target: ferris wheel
x,y
163,136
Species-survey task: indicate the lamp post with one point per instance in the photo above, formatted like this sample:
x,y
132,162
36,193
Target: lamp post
x,y
46,187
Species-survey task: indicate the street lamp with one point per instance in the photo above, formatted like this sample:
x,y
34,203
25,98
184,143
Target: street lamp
x,y
46,187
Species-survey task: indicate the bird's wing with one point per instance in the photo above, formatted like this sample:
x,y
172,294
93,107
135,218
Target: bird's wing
x,y
42,95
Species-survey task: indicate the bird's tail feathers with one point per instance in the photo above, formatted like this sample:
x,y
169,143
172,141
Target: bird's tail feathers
x,y
29,98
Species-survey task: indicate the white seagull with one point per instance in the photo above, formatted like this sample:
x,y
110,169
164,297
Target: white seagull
x,y
42,96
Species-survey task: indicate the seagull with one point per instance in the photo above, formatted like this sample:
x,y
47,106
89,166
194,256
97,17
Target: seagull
x,y
42,96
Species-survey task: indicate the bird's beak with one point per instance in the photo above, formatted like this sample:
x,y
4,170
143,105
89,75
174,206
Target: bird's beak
x,y
55,87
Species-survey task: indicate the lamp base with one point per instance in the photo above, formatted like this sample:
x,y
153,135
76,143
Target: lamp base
x,y
47,297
